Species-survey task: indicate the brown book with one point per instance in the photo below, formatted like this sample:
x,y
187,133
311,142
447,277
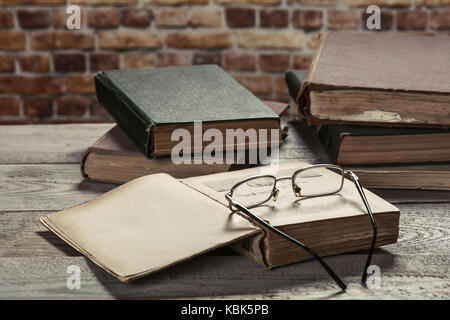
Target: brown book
x,y
115,158
156,221
426,177
387,79
369,145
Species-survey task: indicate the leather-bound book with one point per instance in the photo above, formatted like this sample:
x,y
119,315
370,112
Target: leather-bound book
x,y
149,104
387,79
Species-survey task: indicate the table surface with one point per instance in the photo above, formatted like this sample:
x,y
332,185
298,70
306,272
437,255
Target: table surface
x,y
40,173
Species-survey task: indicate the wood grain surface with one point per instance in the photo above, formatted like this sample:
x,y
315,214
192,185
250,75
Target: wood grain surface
x,y
39,173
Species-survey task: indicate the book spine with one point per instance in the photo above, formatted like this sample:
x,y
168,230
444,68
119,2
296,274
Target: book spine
x,y
302,97
331,142
293,83
125,113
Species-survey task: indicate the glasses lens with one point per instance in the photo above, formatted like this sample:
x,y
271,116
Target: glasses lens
x,y
316,181
254,191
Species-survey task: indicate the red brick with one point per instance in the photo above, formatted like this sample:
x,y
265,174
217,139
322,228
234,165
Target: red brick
x,y
62,40
207,58
103,17
302,61
307,19
173,59
386,19
258,84
344,19
274,62
21,2
240,17
96,109
390,3
6,19
139,60
136,17
33,18
206,17
198,39
270,39
35,62
240,61
130,39
80,83
411,20
59,17
9,106
280,85
74,40
440,19
273,18
72,105
172,17
104,61
30,84
12,40
69,62
7,63
38,106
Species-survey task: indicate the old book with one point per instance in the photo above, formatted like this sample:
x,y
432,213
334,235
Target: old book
x,y
364,145
139,228
387,79
115,158
425,177
149,104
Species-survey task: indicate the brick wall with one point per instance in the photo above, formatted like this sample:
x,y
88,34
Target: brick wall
x,y
46,70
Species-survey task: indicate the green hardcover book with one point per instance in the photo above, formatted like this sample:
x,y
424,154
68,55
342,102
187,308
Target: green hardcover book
x,y
149,104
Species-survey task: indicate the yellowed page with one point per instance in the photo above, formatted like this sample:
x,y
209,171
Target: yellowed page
x,y
288,209
146,225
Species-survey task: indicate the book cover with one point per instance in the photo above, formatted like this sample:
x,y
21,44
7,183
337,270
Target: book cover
x,y
142,101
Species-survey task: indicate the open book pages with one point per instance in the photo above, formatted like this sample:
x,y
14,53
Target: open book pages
x,y
146,225
330,224
156,221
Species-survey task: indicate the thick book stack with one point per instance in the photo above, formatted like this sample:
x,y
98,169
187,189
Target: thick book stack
x,y
381,106
159,110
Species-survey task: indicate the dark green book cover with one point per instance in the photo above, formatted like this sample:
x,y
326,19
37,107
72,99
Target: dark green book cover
x,y
139,99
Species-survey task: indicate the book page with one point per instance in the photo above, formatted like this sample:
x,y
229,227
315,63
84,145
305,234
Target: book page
x,y
146,225
289,209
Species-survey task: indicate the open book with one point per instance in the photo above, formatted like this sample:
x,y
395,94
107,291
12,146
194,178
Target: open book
x,y
156,221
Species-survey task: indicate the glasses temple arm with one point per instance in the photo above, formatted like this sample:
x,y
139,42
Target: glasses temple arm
x,y
358,186
263,223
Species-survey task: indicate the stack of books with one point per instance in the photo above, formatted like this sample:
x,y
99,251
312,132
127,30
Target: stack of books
x,y
381,106
158,113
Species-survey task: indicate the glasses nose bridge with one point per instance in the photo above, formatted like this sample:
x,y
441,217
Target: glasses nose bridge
x,y
283,178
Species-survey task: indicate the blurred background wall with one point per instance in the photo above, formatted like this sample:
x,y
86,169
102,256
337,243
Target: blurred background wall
x,y
46,70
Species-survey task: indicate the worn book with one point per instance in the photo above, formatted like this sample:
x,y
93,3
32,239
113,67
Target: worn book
x,y
424,177
149,104
156,221
365,145
115,158
387,79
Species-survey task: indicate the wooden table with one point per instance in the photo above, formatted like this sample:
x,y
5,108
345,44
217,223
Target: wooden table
x,y
39,174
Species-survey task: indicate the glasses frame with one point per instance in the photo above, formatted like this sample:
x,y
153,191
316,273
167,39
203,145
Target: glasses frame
x,y
345,174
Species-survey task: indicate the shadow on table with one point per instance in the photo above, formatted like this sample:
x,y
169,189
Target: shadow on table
x,y
217,276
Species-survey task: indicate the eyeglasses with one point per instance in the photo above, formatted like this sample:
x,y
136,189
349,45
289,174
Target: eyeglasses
x,y
311,181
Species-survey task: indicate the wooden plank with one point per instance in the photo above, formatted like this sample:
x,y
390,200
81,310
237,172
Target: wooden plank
x,y
65,143
424,229
45,187
232,276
